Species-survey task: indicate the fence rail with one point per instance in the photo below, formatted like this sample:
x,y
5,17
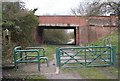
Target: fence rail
x,y
85,56
23,55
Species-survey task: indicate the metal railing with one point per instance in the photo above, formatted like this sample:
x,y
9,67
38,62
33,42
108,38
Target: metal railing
x,y
23,55
85,56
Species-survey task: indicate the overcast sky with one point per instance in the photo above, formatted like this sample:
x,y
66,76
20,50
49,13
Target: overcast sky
x,y
52,7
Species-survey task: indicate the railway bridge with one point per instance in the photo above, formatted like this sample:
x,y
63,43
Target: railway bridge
x,y
86,28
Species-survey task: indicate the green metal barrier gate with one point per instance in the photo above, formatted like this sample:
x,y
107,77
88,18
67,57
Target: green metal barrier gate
x,y
85,56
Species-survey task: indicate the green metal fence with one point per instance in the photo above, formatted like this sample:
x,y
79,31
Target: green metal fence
x,y
85,56
23,55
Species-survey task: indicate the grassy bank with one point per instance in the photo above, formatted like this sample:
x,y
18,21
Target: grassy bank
x,y
50,50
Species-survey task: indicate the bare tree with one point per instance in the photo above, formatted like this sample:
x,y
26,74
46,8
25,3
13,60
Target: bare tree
x,y
96,8
85,8
81,9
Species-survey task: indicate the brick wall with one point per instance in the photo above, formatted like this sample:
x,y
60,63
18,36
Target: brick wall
x,y
59,20
90,28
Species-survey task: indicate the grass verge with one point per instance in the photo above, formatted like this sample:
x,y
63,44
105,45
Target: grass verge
x,y
32,78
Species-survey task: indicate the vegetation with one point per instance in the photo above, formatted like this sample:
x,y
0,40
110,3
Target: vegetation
x,y
113,38
56,36
50,51
95,72
97,8
21,23
35,77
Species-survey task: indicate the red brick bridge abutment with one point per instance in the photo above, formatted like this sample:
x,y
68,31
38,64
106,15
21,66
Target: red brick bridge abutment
x,y
86,29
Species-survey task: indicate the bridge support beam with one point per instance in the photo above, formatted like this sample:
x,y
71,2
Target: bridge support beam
x,y
77,36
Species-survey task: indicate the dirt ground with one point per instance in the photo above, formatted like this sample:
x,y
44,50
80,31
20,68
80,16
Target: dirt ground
x,y
29,69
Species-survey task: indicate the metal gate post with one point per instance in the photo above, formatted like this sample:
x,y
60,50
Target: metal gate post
x,y
57,60
21,55
111,55
38,57
58,57
15,64
114,55
85,57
